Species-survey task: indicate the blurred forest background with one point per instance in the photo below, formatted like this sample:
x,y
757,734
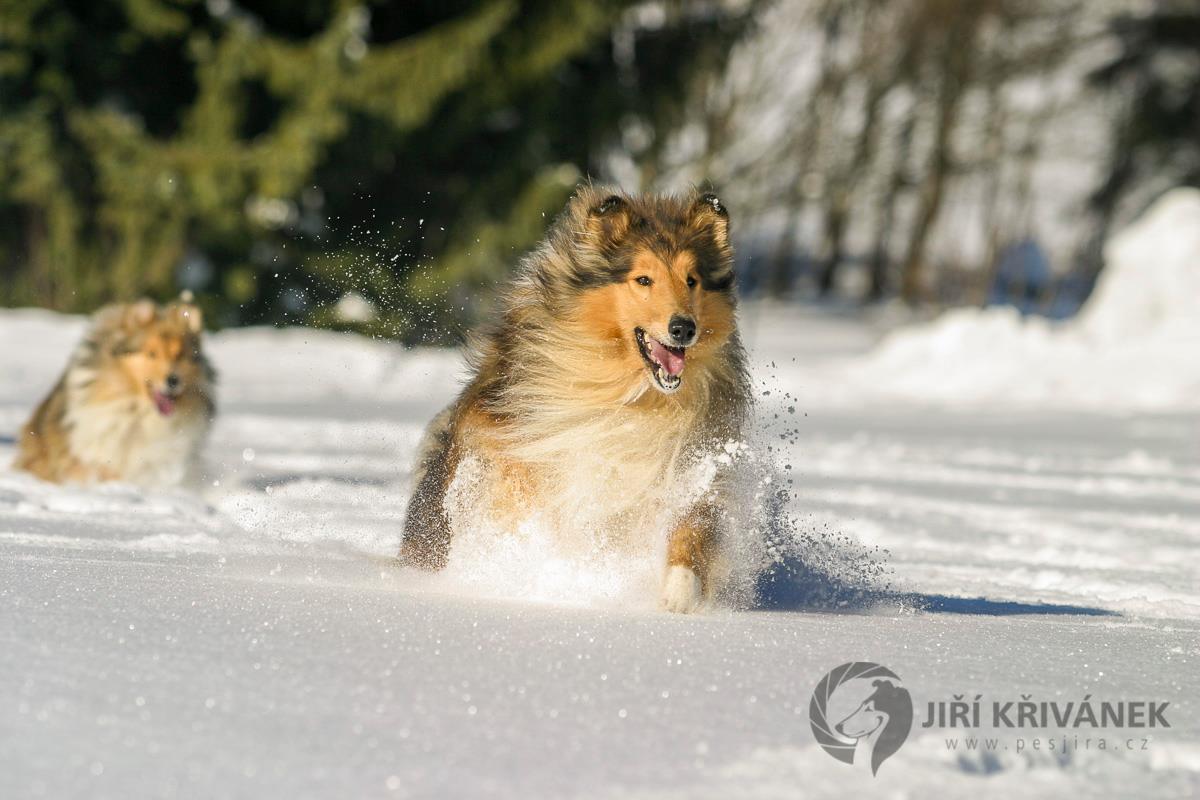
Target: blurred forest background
x,y
378,166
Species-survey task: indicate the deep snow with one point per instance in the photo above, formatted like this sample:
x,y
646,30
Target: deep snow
x,y
253,640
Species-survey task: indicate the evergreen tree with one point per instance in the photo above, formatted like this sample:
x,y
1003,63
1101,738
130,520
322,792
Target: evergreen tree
x,y
274,155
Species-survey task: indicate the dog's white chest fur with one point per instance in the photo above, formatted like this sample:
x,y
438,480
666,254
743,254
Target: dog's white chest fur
x,y
603,480
134,442
617,464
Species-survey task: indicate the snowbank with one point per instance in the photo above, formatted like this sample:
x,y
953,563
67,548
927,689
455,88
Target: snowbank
x,y
259,364
269,364
1133,347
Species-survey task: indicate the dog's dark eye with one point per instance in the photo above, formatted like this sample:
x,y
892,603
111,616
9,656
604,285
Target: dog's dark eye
x,y
644,281
152,354
691,281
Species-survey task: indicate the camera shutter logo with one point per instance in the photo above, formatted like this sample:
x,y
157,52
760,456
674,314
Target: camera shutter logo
x,y
876,728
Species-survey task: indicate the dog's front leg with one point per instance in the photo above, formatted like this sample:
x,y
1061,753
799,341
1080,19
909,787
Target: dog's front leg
x,y
689,556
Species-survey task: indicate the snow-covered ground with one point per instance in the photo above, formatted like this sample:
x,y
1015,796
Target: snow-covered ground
x,y
253,640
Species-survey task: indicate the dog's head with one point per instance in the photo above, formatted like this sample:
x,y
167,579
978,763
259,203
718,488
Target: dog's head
x,y
654,277
158,351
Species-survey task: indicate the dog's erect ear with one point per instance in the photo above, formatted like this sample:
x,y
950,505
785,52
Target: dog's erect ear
x,y
120,323
708,210
609,218
188,313
140,313
192,316
609,205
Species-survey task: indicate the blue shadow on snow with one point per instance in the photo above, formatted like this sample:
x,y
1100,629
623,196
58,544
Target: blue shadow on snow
x,y
794,585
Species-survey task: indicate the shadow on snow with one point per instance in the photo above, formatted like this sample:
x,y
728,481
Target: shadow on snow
x,y
794,585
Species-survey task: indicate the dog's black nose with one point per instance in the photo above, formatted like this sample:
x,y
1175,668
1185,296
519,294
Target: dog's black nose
x,y
682,330
172,381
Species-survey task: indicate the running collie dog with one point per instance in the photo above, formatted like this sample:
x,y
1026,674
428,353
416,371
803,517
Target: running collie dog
x,y
614,364
134,404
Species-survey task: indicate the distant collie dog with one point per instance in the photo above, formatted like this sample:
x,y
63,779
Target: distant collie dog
x,y
134,404
614,363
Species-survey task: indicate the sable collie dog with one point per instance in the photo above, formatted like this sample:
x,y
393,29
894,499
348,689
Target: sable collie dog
x,y
134,404
614,363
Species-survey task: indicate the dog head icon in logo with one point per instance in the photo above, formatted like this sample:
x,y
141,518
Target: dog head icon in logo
x,y
875,728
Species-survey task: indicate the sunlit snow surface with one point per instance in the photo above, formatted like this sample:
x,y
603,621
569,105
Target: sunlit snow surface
x,y
253,640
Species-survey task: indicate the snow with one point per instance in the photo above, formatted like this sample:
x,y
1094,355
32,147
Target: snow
x,y
1010,535
1132,348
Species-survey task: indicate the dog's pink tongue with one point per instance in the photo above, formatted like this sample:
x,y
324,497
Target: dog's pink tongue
x,y
164,404
671,361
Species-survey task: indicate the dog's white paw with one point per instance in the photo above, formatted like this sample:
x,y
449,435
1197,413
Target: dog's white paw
x,y
681,592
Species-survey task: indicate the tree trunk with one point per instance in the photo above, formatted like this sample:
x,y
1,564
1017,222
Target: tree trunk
x,y
957,52
835,228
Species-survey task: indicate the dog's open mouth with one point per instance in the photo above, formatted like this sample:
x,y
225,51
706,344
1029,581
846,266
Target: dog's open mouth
x,y
665,363
165,403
